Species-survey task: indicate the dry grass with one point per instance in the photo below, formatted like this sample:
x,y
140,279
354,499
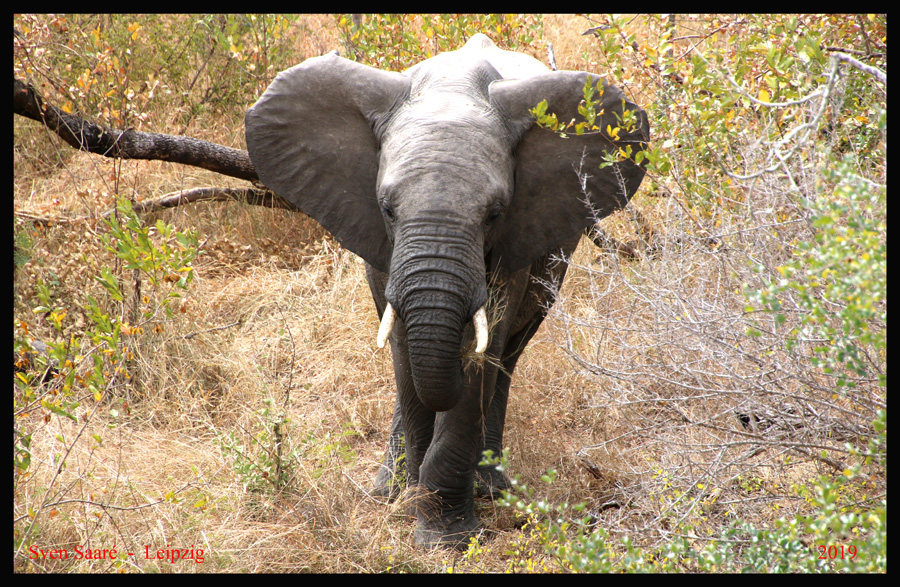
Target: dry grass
x,y
278,331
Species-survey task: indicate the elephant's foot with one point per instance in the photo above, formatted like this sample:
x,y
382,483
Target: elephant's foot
x,y
443,523
438,533
392,477
387,484
489,482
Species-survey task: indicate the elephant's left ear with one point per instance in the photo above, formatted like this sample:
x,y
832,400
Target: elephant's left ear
x,y
313,139
560,187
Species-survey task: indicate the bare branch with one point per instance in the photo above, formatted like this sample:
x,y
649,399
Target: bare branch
x,y
257,197
252,196
130,144
879,75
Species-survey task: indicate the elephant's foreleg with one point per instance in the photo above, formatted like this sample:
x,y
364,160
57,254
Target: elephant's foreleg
x,y
391,478
490,481
528,301
446,510
446,507
412,425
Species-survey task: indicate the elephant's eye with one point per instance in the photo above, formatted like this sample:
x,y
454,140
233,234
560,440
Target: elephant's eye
x,y
387,210
492,216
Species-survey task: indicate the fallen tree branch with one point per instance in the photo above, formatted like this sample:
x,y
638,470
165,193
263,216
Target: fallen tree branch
x,y
130,144
256,197
252,196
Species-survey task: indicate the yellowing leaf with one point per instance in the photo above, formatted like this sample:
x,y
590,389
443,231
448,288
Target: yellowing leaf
x,y
133,29
763,95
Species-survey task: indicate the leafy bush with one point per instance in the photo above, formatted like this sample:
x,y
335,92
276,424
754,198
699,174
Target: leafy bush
x,y
836,536
398,41
120,69
752,331
75,376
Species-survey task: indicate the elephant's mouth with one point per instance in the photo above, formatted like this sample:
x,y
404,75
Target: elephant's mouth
x,y
479,320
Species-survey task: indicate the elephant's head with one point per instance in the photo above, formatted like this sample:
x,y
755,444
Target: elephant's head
x,y
437,176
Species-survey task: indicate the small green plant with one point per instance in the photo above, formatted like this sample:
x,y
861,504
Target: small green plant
x,y
259,465
22,245
336,447
166,265
262,468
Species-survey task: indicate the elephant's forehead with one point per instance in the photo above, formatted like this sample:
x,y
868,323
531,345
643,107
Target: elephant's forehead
x,y
452,91
445,114
441,153
450,108
446,135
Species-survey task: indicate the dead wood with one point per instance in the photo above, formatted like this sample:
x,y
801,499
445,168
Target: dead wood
x,y
130,144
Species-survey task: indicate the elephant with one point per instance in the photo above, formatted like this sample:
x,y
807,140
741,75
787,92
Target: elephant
x,y
462,209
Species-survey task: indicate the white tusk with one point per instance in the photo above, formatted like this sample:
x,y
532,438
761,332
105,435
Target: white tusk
x,y
481,330
387,324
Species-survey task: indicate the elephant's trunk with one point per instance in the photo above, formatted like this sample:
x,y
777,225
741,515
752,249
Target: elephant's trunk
x,y
479,321
434,357
436,287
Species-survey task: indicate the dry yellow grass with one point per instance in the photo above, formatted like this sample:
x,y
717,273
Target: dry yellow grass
x,y
280,318
301,315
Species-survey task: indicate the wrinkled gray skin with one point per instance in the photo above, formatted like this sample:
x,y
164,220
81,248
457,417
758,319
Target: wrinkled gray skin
x,y
440,181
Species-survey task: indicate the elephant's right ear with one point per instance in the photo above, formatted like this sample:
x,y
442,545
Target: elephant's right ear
x,y
312,138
